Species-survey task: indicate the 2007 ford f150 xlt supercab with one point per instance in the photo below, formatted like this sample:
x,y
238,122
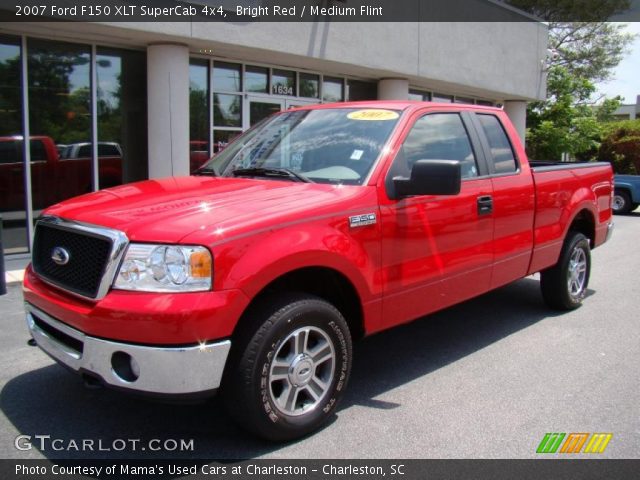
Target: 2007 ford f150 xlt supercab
x,y
316,227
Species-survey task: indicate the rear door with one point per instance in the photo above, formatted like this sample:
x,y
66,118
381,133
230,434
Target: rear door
x,y
437,250
513,197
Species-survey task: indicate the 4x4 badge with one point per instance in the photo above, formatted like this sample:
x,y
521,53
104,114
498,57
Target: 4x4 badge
x,y
362,220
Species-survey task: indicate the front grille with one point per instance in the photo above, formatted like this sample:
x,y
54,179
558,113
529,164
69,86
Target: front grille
x,y
88,256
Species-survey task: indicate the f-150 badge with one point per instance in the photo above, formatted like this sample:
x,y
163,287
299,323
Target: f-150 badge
x,y
362,220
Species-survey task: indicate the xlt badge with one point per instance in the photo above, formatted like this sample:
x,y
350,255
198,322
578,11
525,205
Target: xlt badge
x,y
362,220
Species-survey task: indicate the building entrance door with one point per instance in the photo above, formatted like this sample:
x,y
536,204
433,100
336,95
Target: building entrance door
x,y
261,107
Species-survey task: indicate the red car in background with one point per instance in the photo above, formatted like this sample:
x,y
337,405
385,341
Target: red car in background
x,y
58,172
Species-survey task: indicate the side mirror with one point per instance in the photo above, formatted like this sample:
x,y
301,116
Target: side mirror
x,y
430,177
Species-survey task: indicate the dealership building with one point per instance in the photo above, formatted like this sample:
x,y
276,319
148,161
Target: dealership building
x,y
108,103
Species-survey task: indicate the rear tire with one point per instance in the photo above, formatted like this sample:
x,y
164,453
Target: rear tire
x,y
565,284
288,368
621,203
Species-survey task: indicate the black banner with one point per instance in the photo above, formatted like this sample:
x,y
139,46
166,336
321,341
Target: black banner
x,y
243,11
541,469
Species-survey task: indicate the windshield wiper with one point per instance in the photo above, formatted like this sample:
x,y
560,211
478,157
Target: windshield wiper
x,y
271,172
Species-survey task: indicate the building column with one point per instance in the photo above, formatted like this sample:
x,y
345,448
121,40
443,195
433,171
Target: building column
x,y
393,89
517,112
168,109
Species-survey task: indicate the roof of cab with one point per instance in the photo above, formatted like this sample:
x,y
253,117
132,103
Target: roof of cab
x,y
394,105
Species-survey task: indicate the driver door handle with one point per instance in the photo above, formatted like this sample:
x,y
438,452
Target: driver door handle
x,y
485,205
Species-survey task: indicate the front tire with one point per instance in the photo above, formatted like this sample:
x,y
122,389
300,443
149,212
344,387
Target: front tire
x,y
289,368
565,284
621,203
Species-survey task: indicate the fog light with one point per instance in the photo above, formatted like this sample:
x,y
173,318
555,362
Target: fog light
x,y
125,367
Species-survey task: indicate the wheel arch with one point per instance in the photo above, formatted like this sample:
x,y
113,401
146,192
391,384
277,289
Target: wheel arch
x,y
324,282
623,188
584,222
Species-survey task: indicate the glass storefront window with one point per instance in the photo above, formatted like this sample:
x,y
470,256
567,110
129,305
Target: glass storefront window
x,y
122,116
221,139
283,82
419,96
256,79
309,85
198,114
332,89
226,77
359,90
59,120
259,110
441,98
12,193
227,110
464,100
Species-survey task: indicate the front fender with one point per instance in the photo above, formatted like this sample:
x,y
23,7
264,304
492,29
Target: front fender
x,y
252,263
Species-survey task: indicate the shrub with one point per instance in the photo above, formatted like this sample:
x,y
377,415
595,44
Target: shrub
x,y
621,146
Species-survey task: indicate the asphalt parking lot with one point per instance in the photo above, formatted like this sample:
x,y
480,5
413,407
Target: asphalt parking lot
x,y
485,379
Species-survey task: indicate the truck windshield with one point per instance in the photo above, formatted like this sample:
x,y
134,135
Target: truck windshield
x,y
338,145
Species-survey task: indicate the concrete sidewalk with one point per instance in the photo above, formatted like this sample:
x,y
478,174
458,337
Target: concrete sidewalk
x,y
14,268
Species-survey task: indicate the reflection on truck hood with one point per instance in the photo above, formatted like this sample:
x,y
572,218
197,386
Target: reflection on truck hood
x,y
169,209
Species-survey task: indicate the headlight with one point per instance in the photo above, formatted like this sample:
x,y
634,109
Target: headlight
x,y
165,268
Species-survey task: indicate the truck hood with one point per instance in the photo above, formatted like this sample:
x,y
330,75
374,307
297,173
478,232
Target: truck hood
x,y
167,210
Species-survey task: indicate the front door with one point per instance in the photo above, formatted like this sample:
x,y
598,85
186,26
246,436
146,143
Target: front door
x,y
437,250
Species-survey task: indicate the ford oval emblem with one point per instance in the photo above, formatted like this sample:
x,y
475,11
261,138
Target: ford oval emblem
x,y
60,256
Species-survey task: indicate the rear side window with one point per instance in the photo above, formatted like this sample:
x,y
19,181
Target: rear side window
x,y
440,136
503,159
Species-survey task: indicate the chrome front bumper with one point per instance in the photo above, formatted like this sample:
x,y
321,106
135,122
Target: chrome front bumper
x,y
146,369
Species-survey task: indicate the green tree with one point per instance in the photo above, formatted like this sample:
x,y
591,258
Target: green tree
x,y
578,10
565,122
582,54
588,50
621,146
580,37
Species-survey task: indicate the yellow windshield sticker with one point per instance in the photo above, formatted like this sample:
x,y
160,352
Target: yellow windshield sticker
x,y
373,114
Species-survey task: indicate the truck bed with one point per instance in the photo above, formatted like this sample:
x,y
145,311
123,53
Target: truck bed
x,y
562,189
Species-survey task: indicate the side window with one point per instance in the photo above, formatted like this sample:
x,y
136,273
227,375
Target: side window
x,y
504,160
9,152
440,136
85,151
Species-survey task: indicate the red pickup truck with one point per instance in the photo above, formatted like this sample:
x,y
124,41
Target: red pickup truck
x,y
316,227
